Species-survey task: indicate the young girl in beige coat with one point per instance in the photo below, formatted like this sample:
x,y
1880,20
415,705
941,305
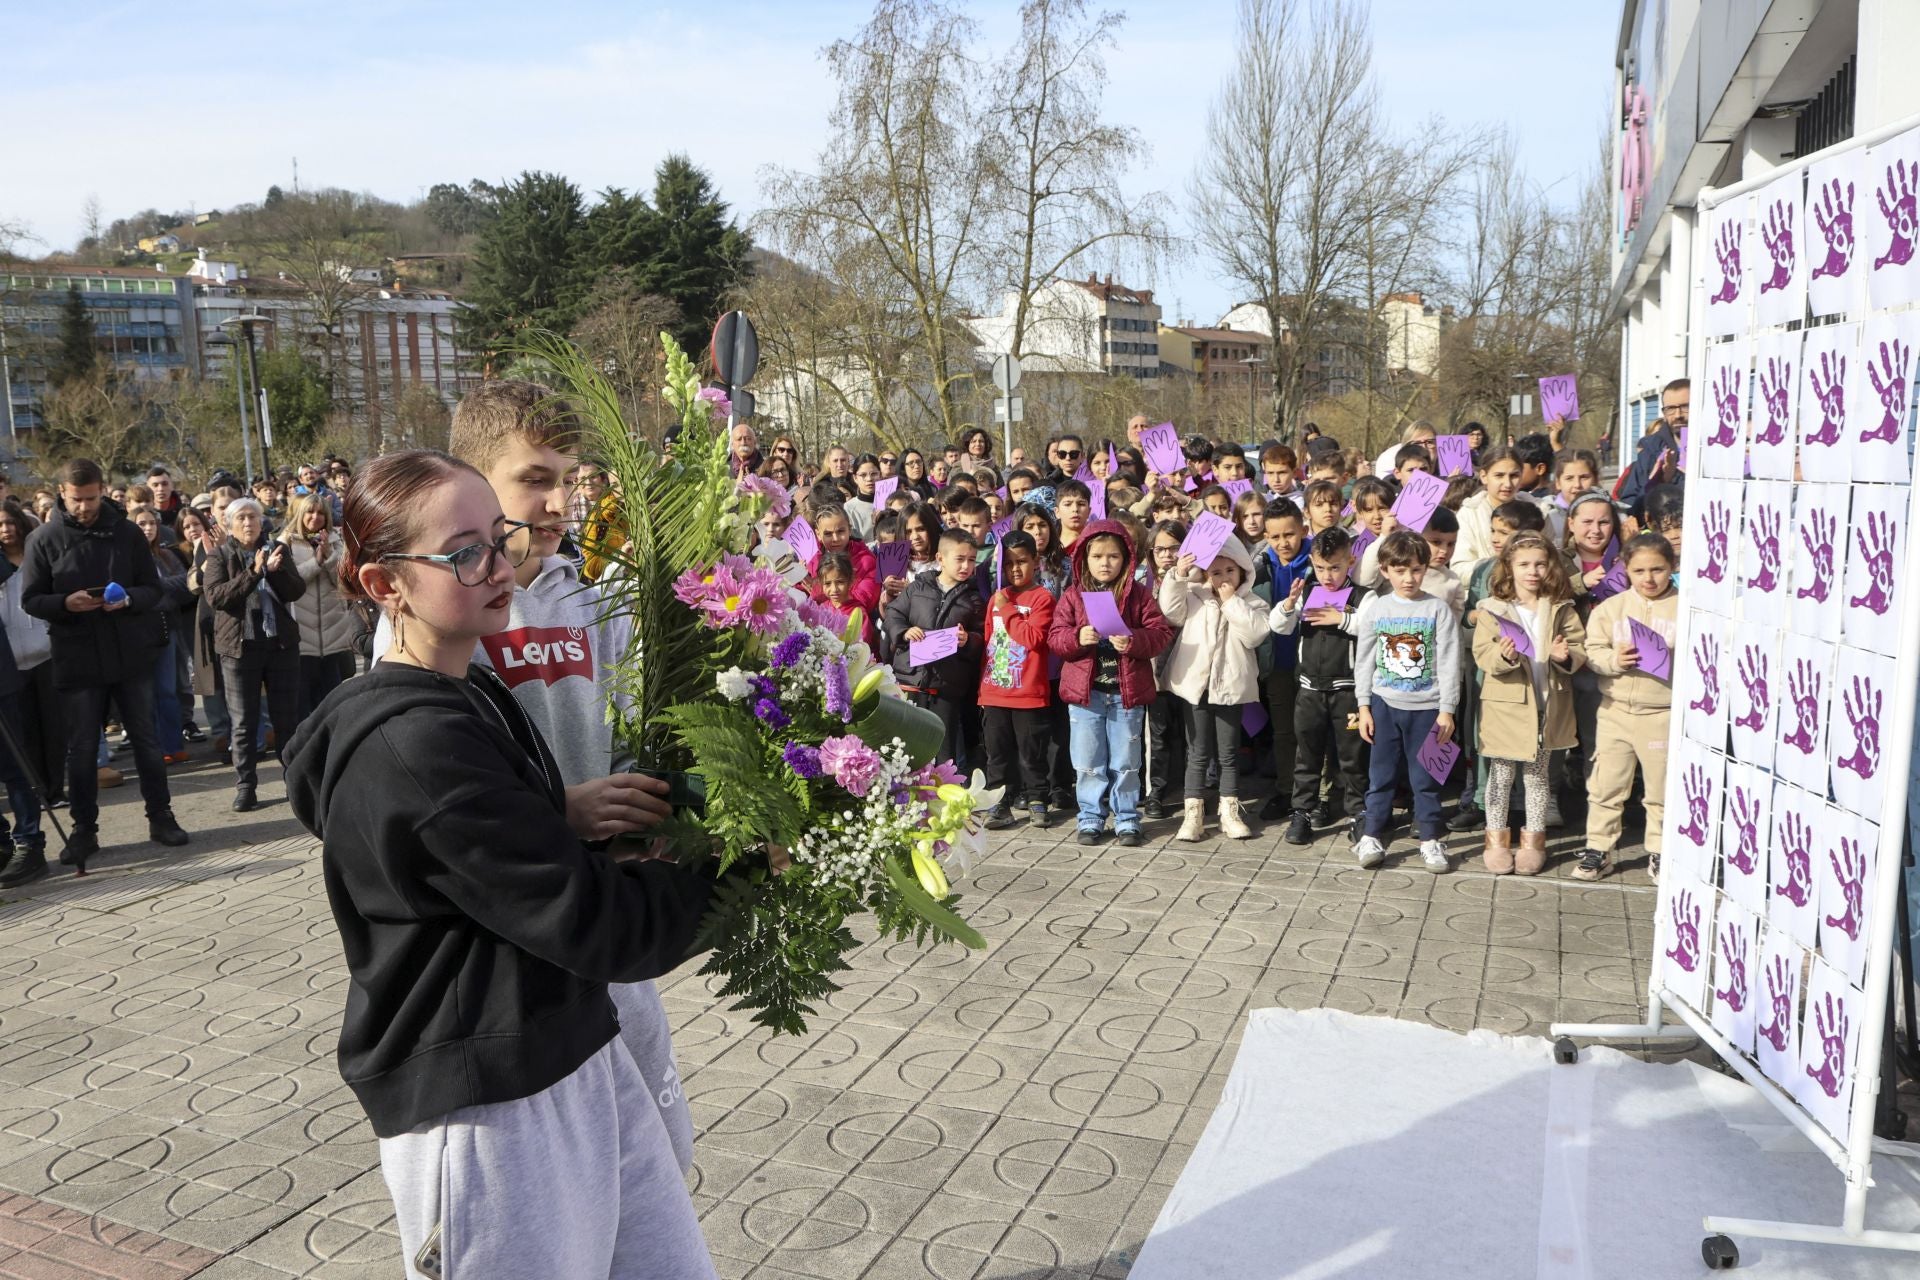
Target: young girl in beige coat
x,y
1215,670
1526,701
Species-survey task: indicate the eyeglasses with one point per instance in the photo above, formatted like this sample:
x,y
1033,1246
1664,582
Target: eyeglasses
x,y
1068,454
472,564
783,448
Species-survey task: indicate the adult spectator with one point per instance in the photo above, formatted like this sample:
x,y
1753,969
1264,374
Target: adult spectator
x,y
976,450
1068,453
743,450
859,507
1476,434
172,568
913,473
166,497
326,623
45,739
1137,424
1659,458
250,584
838,464
103,649
589,485
200,540
1420,433
307,480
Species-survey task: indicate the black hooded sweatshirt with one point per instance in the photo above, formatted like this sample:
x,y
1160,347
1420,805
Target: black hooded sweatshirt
x,y
480,932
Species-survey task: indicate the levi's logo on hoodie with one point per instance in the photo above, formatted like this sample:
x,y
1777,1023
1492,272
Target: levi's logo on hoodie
x,y
546,654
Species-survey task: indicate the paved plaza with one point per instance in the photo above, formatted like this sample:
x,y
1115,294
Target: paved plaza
x,y
172,1108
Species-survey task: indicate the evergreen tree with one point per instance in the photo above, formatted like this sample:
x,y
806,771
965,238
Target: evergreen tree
x,y
526,264
297,398
622,233
698,255
74,354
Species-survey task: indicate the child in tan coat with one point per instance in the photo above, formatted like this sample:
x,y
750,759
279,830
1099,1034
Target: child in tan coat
x,y
1526,702
1634,706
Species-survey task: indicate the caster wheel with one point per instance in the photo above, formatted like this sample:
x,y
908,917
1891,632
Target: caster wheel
x,y
1565,1052
1721,1253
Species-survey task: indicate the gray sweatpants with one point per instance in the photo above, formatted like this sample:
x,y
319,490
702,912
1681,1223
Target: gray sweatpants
x,y
643,1025
577,1181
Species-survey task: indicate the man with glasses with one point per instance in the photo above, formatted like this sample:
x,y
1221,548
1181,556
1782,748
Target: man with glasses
x,y
1660,458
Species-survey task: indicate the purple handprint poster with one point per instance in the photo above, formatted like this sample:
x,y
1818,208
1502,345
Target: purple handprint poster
x,y
1821,533
1822,1083
1692,835
1776,396
1829,245
1862,699
1779,268
1776,1021
1889,208
1792,888
1721,424
1730,267
1804,688
1876,546
1881,416
1683,937
1736,966
1751,679
1828,360
1843,862
1712,531
1744,833
1704,678
1762,554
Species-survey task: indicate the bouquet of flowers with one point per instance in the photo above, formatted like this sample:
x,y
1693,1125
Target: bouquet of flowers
x,y
797,735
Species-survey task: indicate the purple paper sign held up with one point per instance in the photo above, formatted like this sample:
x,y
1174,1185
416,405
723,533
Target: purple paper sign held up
x,y
882,490
1161,445
1001,528
1253,718
1560,397
1327,598
1613,584
1113,461
1097,501
1455,455
1237,489
934,646
1085,476
1522,642
1436,756
1418,500
1204,540
1361,541
890,560
1656,656
801,538
1103,614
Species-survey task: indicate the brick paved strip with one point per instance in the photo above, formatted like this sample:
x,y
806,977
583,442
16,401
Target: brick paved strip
x,y
42,1241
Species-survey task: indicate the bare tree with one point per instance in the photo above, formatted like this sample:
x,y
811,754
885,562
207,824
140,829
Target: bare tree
x,y
1057,195
317,240
96,415
619,330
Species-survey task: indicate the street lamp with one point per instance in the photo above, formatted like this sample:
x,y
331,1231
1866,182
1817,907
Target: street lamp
x,y
240,395
1253,365
246,323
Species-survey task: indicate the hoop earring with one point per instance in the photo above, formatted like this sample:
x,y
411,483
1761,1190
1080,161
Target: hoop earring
x,y
399,631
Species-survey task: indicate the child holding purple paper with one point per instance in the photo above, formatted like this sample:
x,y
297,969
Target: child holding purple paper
x,y
937,601
1526,701
1592,550
1215,670
1326,715
1635,707
1166,765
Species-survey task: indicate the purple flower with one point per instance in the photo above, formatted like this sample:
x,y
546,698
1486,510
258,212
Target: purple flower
x,y
779,501
788,651
839,697
803,760
770,714
853,764
717,402
764,687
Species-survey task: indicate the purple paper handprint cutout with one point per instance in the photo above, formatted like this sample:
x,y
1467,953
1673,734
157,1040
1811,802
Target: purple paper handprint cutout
x,y
1862,704
1686,932
1726,407
1833,215
1746,821
1765,528
1830,390
1850,869
1830,1021
1796,846
1897,207
1804,683
1733,946
1719,520
1818,536
1699,795
1706,656
1754,670
1877,541
1780,1003
1889,378
1777,233
1727,249
1775,377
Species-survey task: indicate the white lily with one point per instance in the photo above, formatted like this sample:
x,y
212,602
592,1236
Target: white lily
x,y
960,822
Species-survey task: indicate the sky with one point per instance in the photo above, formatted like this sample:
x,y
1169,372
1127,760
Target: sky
x,y
202,106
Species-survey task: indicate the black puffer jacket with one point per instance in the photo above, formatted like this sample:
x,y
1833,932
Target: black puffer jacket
x,y
100,646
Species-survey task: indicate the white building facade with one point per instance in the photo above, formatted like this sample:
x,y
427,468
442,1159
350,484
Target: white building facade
x,y
1081,326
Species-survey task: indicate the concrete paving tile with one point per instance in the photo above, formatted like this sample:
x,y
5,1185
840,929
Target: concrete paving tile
x,y
1600,978
1365,996
1309,951
1448,1007
1522,971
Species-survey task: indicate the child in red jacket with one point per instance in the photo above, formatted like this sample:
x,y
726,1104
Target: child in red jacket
x,y
834,532
1013,684
1108,680
833,584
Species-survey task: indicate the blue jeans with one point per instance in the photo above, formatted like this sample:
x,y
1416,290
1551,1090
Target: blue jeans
x,y
166,701
21,800
1106,760
1397,736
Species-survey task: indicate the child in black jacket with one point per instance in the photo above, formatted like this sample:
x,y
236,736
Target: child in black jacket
x,y
1326,714
932,603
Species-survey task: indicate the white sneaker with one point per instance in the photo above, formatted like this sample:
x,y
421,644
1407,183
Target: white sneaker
x,y
1369,851
1433,855
1554,820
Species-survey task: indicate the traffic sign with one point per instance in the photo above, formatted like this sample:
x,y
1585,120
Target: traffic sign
x,y
1006,374
742,402
1010,409
736,349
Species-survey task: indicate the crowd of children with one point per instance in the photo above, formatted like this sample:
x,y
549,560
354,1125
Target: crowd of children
x,y
1097,661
